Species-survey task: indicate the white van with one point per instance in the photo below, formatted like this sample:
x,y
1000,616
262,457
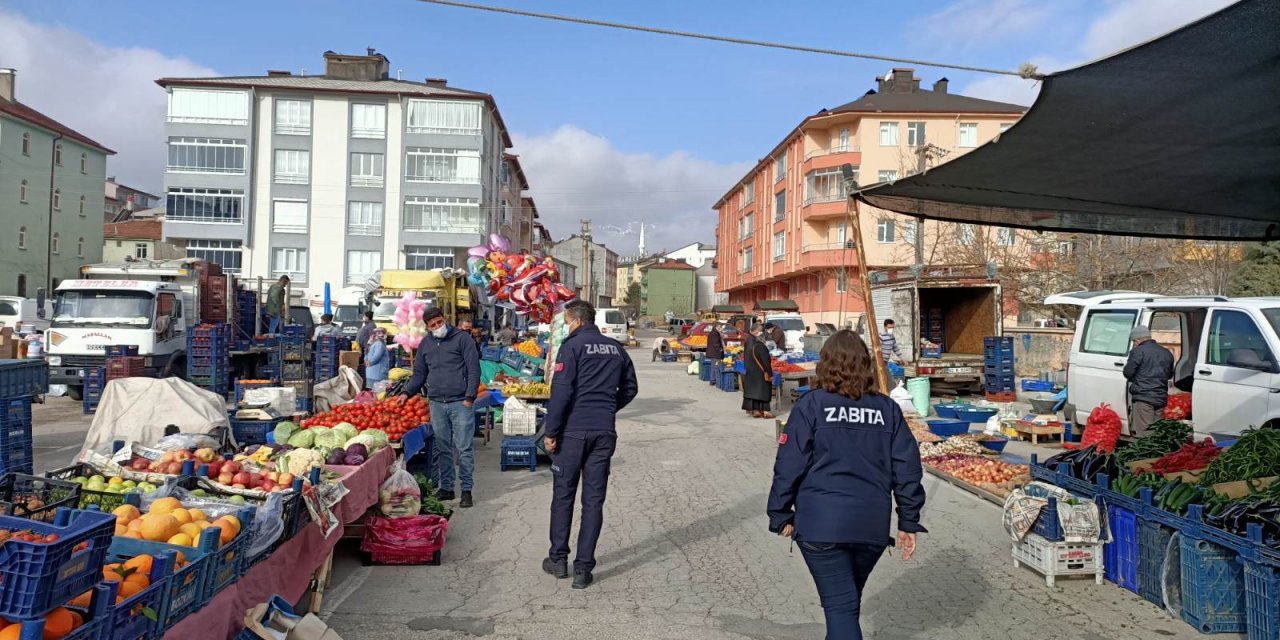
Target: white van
x,y
1226,354
14,309
793,327
612,323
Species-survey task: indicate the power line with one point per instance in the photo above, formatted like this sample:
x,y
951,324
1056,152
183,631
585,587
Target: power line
x,y
1027,70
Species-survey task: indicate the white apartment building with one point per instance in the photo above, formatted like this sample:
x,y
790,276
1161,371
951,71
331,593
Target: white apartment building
x,y
328,179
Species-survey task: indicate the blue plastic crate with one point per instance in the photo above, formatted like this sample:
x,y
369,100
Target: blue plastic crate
x,y
493,354
184,587
997,357
23,378
998,369
1213,598
139,615
704,370
728,381
1000,382
15,435
295,352
230,561
242,387
668,357
1037,385
1262,600
248,432
931,352
38,577
1047,524
1153,542
518,452
97,618
222,380
211,330
1120,556
997,342
294,371
293,331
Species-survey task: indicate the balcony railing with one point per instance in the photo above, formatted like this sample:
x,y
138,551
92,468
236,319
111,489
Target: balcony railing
x,y
852,147
364,229
828,246
443,228
367,181
215,218
823,197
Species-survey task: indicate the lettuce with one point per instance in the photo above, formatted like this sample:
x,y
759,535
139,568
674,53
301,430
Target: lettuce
x,y
303,439
284,431
347,429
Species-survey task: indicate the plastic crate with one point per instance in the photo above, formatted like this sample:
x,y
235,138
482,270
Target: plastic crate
x,y
184,587
36,498
728,381
23,378
493,354
247,432
38,577
1054,559
230,561
1047,524
15,435
998,369
210,380
96,618
1213,599
1262,600
121,350
931,352
333,343
998,382
104,500
138,617
1037,385
126,367
997,342
242,386
520,422
290,352
1121,554
1153,541
518,452
294,371
293,331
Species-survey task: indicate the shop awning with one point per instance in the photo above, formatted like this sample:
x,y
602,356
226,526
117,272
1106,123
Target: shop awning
x,y
727,308
1178,137
777,305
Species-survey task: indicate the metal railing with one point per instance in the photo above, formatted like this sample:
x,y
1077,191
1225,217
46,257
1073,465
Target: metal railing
x,y
367,181
828,246
364,229
852,147
821,198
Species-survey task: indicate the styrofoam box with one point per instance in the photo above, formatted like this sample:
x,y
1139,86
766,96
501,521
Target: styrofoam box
x,y
281,399
1053,559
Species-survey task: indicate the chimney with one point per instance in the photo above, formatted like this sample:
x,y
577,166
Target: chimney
x,y
903,80
438,83
277,72
370,68
940,86
8,82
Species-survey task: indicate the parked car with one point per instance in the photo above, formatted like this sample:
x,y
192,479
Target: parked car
x,y
678,326
730,334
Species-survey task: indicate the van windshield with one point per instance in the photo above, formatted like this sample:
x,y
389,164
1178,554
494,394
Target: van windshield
x,y
347,313
1273,317
98,308
7,309
613,316
788,324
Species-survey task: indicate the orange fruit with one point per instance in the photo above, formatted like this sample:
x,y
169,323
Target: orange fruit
x,y
126,512
135,525
182,540
180,561
113,572
140,579
203,524
191,529
77,620
158,526
121,530
83,600
164,505
231,520
11,632
129,589
133,534
58,624
197,515
226,535
140,563
181,515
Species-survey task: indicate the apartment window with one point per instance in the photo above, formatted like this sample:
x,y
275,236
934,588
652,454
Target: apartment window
x,y
842,233
204,106
289,216
57,199
1004,126
22,191
140,250
967,235
747,258
779,206
206,155
915,134
83,209
26,144
779,245
293,117
443,116
842,280
749,192
84,163
1005,237
289,261
80,248
746,225
22,237
505,174
227,253
886,232
189,204
506,212
423,258
887,175
457,215
780,166
57,242
427,164
1066,248
909,229
825,185
361,265
292,166
968,134
888,134
57,153
368,121
364,218
840,143
537,236
368,169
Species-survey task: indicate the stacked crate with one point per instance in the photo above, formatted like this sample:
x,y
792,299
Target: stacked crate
x,y
125,367
95,381
20,380
246,312
931,326
328,350
997,354
209,357
290,361
213,293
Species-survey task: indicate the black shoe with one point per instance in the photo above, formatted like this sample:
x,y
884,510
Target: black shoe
x,y
466,500
582,579
444,496
557,568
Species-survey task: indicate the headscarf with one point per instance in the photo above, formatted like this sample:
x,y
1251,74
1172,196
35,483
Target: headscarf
x,y
379,335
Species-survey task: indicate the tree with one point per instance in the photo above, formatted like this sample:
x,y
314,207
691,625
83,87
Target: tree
x,y
1259,275
631,301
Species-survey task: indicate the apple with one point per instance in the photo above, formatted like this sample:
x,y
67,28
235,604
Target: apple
x,y
232,466
140,464
241,478
285,480
239,486
255,479
225,477
268,485
174,468
206,454
215,467
271,475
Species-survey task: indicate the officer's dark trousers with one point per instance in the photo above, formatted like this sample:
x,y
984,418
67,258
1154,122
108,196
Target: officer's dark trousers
x,y
840,571
585,455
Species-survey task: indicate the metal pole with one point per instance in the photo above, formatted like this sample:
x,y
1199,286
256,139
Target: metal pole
x,y
48,238
864,279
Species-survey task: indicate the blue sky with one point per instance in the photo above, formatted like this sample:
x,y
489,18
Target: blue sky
x,y
617,126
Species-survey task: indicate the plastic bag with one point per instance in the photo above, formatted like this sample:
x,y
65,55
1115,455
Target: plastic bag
x,y
406,540
994,426
268,516
184,441
1171,576
399,495
1102,428
370,396
901,396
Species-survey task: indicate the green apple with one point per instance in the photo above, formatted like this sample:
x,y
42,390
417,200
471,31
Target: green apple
x,y
238,499
200,492
98,479
129,483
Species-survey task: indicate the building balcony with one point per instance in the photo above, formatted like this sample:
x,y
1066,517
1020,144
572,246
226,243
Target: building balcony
x,y
852,147
828,255
830,158
824,207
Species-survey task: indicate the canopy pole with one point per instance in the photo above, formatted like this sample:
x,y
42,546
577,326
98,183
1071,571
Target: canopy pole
x,y
864,280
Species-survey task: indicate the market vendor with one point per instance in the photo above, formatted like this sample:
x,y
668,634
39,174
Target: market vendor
x,y
377,361
715,343
660,348
1148,370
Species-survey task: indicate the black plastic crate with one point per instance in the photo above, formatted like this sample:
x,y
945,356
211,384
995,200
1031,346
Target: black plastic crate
x,y
36,498
294,371
23,377
104,500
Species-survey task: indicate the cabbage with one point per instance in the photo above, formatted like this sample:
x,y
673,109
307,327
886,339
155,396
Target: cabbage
x,y
372,439
303,439
357,448
347,430
336,457
329,438
284,431
353,460
379,437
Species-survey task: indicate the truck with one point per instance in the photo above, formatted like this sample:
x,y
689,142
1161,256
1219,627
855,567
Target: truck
x,y
443,288
348,307
15,309
951,308
151,304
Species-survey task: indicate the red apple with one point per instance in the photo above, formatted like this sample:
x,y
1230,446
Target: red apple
x,y
140,464
174,468
215,467
225,477
241,478
232,466
267,485
255,479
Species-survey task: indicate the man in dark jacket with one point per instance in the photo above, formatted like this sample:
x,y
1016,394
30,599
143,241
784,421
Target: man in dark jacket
x,y
592,381
448,363
1149,369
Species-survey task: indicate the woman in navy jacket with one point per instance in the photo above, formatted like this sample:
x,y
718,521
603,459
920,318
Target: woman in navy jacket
x,y
845,453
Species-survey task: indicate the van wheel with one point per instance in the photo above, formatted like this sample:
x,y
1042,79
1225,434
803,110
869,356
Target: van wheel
x,y
75,393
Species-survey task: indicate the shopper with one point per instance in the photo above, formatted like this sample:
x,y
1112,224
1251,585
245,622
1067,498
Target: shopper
x,y
1148,370
35,345
845,451
715,343
889,349
277,305
506,336
448,364
326,328
366,330
757,381
377,361
593,380
776,335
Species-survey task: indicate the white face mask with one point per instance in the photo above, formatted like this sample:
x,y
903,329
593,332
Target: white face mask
x,y
441,332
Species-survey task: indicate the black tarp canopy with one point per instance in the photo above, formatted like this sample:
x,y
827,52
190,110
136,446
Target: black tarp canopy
x,y
1177,137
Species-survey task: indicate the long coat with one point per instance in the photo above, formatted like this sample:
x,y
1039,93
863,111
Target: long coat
x,y
757,384
715,344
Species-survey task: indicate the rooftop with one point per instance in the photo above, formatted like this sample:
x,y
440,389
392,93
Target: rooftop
x,y
133,229
900,92
672,264
31,116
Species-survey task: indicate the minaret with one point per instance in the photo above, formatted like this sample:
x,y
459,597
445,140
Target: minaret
x,y
642,253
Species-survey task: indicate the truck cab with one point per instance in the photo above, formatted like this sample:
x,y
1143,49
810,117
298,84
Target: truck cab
x,y
443,288
793,327
15,309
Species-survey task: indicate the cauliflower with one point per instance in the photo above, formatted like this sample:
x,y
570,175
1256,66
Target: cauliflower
x,y
299,462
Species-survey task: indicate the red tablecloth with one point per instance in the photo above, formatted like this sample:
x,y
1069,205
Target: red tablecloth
x,y
287,571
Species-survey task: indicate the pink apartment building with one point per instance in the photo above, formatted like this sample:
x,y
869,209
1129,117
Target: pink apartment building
x,y
783,228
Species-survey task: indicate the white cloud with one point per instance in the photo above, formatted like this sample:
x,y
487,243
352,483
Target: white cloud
x,y
968,24
106,93
578,175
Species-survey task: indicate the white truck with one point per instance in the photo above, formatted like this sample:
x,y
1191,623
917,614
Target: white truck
x,y
151,304
793,327
14,309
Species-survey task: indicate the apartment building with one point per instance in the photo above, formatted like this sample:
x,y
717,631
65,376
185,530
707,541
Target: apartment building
x,y
783,229
122,201
328,179
597,273
51,179
518,210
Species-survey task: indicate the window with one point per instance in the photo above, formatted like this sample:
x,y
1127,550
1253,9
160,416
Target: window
x,y
206,155
22,285
368,121
80,248
224,252
780,166
966,235
289,261
57,153
746,226
189,204
1066,248
888,134
141,249
887,175
1004,126
915,134
749,192
56,245
22,191
842,233
26,144
289,216
443,116
457,215
205,106
909,228
57,199
292,167
505,175
293,117
423,258
84,163
364,218
1107,332
506,212
840,143
83,206
1235,341
779,245
426,164
886,232
747,258
22,237
367,169
842,280
968,134
1005,237
779,206
825,185
361,265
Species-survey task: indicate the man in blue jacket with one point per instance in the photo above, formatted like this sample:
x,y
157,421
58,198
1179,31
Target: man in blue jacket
x,y
593,380
448,363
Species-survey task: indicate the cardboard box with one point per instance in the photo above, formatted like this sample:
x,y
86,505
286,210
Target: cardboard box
x,y
1144,466
349,359
1240,489
8,344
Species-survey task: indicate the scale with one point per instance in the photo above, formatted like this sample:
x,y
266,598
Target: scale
x,y
257,412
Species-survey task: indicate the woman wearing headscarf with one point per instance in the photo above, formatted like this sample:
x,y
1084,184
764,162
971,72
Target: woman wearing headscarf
x,y
757,382
377,361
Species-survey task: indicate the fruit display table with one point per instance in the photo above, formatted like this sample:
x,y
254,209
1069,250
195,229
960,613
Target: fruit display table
x,y
288,570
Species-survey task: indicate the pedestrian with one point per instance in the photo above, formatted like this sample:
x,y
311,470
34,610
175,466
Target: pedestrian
x,y
715,343
35,345
593,380
776,335
757,379
377,361
366,330
325,328
889,349
506,336
277,305
1148,370
660,348
845,452
448,364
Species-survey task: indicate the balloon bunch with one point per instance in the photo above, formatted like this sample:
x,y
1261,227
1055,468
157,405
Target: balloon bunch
x,y
408,319
530,283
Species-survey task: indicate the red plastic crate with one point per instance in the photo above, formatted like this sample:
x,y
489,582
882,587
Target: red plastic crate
x,y
126,367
